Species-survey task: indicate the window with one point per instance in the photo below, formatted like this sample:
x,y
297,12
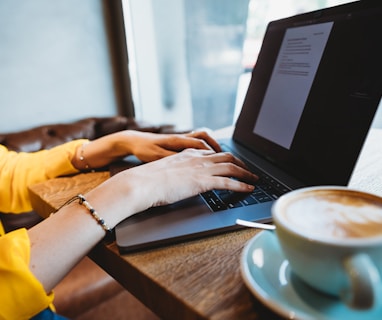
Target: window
x,y
190,60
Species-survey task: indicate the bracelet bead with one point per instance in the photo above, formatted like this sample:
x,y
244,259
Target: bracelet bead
x,y
101,222
82,156
92,211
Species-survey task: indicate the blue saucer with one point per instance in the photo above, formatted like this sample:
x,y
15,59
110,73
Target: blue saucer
x,y
268,276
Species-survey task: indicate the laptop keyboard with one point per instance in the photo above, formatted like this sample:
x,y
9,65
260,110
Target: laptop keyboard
x,y
266,189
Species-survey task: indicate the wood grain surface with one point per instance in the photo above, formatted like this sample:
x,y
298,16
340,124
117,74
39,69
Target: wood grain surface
x,y
46,197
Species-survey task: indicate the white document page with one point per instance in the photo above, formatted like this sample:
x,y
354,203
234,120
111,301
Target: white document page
x,y
290,83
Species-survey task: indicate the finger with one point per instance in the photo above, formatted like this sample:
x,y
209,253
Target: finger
x,y
231,170
207,138
228,157
226,183
179,143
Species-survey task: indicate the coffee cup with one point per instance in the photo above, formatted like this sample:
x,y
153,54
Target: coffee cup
x,y
332,238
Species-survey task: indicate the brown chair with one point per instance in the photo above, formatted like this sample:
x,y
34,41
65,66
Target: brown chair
x,y
87,292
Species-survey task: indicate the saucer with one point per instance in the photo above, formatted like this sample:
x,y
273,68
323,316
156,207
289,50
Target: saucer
x,y
267,274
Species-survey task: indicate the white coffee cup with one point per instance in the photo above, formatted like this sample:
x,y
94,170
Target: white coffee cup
x,y
332,238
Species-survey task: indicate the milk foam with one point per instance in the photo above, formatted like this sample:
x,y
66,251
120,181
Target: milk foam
x,y
335,216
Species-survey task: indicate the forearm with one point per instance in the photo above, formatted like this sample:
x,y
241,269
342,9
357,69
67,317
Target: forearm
x,y
60,241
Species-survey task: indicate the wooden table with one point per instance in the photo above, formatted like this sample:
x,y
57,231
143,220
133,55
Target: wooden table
x,y
197,279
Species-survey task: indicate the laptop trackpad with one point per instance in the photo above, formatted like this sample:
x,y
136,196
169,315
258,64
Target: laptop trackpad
x,y
187,219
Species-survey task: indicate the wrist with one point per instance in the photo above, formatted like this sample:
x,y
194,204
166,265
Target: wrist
x,y
118,198
81,160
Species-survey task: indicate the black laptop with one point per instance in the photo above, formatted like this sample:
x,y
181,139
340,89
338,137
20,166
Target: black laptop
x,y
313,94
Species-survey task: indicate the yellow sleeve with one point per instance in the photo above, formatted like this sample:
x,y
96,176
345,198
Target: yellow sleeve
x,y
21,294
19,170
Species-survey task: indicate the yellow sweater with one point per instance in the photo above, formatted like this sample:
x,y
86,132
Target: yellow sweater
x,y
21,294
19,170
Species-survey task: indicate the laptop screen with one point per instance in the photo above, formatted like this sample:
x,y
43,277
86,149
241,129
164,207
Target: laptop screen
x,y
314,92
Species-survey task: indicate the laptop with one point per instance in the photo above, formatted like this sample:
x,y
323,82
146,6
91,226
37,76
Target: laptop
x,y
312,97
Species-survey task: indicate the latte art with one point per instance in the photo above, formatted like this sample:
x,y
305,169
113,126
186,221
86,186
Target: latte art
x,y
335,214
332,238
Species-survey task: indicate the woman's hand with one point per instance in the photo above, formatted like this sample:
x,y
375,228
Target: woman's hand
x,y
196,171
145,146
172,179
148,147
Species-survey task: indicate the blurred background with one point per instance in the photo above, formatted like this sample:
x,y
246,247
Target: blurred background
x,y
191,60
182,62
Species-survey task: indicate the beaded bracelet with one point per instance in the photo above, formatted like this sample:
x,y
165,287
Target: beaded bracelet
x,y
82,157
93,213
